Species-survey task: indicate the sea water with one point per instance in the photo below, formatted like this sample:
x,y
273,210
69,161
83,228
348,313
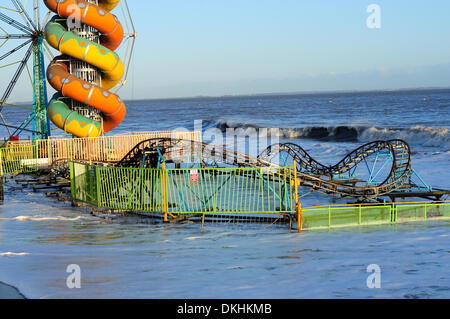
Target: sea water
x,y
134,258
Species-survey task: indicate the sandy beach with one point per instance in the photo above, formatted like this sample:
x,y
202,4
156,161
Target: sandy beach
x,y
9,292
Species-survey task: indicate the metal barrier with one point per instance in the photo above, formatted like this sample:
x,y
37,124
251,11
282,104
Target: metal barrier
x,y
176,192
333,216
19,159
228,191
99,149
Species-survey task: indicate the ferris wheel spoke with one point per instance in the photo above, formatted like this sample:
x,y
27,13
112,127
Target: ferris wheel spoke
x,y
14,50
15,23
15,77
46,19
8,126
24,14
15,36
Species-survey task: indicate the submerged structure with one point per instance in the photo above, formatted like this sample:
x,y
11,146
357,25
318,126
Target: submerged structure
x,y
175,177
179,179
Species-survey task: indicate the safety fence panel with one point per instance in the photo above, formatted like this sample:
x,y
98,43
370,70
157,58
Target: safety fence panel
x,y
185,191
422,211
230,190
329,217
130,189
333,216
19,159
83,183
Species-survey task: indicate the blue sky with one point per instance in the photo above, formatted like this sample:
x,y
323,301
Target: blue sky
x,y
218,47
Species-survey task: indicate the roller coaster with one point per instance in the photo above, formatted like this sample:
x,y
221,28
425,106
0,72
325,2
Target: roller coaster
x,y
152,152
328,179
372,171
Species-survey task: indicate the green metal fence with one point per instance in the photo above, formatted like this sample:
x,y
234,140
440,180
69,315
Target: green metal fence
x,y
333,216
19,159
185,191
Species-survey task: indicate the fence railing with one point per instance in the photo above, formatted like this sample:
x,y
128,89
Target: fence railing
x,y
19,159
98,149
105,148
185,191
332,216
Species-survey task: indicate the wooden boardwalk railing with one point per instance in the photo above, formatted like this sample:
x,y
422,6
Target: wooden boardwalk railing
x,y
98,149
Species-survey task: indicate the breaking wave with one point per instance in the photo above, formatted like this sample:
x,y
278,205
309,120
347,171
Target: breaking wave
x,y
416,135
421,135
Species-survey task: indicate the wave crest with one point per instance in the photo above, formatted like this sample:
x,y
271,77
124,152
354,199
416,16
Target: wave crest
x,y
415,135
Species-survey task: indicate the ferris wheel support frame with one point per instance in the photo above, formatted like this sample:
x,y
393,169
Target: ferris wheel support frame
x,y
32,32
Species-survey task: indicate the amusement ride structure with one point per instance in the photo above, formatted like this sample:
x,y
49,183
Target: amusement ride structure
x,y
370,172
87,35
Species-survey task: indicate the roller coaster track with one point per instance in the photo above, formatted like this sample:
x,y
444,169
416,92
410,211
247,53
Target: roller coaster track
x,y
319,177
312,174
177,150
146,154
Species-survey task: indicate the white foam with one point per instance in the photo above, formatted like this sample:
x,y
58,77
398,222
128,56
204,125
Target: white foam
x,y
416,135
39,218
192,238
10,254
235,267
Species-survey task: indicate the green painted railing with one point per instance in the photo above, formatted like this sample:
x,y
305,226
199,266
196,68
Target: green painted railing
x,y
229,190
185,191
19,159
333,216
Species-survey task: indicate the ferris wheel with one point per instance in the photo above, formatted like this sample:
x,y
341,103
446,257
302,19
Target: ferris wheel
x,y
24,55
